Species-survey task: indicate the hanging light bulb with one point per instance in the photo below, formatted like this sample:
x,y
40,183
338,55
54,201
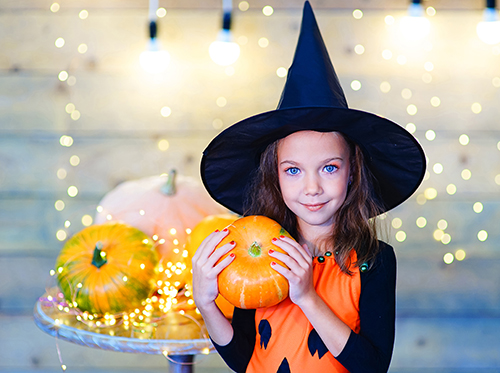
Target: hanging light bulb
x,y
488,29
154,59
224,51
415,26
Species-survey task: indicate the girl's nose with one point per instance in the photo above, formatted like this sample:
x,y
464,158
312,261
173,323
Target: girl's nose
x,y
312,186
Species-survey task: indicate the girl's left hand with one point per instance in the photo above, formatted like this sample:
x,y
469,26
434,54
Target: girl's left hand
x,y
300,274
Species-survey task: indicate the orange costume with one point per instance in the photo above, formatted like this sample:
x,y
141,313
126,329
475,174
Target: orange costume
x,y
281,339
306,351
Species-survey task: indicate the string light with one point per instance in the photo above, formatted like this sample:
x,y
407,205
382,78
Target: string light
x,y
165,111
385,87
406,93
55,7
221,101
357,13
478,207
430,135
437,168
421,222
84,14
460,254
359,49
281,72
161,12
482,235
355,85
463,139
414,26
476,108
451,189
389,20
243,6
224,51
448,258
466,174
411,109
397,223
488,30
267,10
263,42
410,127
442,224
400,236
59,43
154,59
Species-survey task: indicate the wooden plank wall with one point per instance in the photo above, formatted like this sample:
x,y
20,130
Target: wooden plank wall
x,y
448,315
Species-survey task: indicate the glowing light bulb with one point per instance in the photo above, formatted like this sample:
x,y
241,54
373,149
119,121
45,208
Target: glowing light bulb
x,y
224,51
415,26
488,30
154,60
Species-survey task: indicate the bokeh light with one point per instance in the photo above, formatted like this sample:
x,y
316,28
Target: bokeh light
x,y
448,258
482,235
477,207
451,189
463,139
357,14
421,222
267,10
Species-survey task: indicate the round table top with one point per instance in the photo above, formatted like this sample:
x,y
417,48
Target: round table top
x,y
172,334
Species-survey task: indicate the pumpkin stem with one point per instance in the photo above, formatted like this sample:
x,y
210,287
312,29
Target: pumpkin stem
x,y
255,250
99,258
169,187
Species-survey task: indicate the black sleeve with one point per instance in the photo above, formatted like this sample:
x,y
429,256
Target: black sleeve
x,y
238,352
371,349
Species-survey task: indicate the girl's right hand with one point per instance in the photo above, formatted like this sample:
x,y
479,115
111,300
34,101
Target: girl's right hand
x,y
205,269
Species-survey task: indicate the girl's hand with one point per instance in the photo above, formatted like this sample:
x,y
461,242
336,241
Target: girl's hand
x,y
205,270
300,274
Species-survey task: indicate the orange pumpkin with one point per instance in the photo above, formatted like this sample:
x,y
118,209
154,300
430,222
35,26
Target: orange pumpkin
x,y
163,207
249,281
198,234
107,268
206,226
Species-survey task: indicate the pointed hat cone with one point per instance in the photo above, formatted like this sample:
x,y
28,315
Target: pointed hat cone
x,y
311,79
312,100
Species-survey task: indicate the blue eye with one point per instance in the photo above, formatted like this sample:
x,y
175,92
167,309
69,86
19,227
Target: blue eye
x,y
292,171
330,168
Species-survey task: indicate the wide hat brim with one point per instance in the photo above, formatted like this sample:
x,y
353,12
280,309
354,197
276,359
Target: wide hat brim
x,y
393,155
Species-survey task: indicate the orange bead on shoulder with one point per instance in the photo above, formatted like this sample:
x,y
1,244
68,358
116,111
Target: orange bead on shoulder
x,y
249,282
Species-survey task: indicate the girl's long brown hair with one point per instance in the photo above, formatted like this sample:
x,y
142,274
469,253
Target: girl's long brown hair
x,y
355,225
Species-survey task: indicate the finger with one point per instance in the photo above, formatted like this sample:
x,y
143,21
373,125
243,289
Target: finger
x,y
288,260
208,245
282,270
223,264
219,253
293,249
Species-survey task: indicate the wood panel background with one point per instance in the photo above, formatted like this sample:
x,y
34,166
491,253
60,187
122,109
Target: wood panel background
x,y
448,315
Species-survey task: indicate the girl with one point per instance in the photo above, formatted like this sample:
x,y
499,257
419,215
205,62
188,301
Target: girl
x,y
323,171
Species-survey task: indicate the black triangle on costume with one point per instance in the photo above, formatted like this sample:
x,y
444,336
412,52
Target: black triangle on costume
x,y
315,343
311,79
284,367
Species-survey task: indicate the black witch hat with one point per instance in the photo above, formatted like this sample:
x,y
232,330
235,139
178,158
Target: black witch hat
x,y
313,100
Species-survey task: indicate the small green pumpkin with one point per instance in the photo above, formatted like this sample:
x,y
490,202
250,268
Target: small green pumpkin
x,y
107,268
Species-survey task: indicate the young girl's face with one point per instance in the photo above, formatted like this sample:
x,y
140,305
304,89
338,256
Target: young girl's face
x,y
313,170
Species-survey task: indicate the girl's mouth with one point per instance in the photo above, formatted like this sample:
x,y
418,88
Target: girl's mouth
x,y
314,207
